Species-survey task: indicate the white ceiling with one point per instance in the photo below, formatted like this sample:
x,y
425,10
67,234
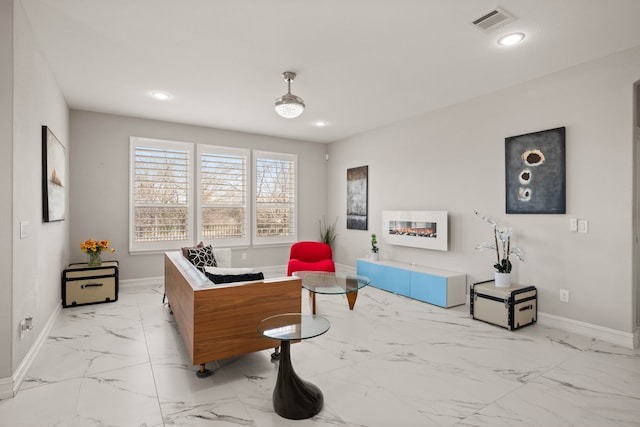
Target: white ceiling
x,y
361,64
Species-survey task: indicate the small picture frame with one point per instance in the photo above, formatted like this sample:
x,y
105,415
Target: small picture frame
x,y
54,174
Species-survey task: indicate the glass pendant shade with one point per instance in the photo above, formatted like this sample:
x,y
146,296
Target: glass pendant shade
x,y
288,105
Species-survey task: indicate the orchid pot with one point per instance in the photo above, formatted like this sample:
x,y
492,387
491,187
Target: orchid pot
x,y
503,249
503,280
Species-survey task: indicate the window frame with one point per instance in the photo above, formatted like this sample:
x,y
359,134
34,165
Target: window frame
x,y
202,149
279,240
161,245
195,203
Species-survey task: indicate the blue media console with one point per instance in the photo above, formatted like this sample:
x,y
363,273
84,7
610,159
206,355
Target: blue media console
x,y
435,286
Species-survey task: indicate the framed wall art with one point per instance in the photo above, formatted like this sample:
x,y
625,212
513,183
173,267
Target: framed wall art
x,y
357,198
535,173
53,177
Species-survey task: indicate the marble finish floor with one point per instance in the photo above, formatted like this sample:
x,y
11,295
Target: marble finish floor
x,y
392,362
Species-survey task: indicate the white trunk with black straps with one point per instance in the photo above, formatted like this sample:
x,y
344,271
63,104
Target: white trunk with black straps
x,y
511,308
82,284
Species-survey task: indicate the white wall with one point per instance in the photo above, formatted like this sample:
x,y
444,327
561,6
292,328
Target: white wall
x,y
6,168
100,185
39,259
453,160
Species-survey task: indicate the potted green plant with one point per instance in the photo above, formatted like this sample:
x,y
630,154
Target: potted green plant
x,y
502,245
328,232
374,248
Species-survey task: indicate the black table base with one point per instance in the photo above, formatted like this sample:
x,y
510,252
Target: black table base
x,y
293,397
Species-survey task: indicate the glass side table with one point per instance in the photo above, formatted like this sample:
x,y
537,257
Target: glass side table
x,y
322,282
293,397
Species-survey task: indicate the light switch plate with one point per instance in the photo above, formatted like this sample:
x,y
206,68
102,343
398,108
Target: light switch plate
x,y
583,226
24,229
573,224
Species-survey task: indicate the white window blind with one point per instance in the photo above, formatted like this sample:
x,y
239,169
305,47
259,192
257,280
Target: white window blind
x,y
182,193
275,216
223,195
161,189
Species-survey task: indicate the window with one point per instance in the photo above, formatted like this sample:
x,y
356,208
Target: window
x,y
182,193
222,186
275,198
161,192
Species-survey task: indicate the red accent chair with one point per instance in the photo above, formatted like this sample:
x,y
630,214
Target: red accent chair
x,y
310,256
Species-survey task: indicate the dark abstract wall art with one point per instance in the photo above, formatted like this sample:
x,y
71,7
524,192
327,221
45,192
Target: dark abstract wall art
x,y
357,195
535,173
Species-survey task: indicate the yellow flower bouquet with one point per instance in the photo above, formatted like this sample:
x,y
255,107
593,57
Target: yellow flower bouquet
x,y
94,248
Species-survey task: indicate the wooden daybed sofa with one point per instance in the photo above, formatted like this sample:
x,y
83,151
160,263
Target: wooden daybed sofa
x,y
221,321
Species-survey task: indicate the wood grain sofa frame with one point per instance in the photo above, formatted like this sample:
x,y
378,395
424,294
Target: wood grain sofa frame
x,y
221,321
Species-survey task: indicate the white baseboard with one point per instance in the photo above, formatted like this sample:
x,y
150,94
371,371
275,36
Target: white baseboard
x,y
9,386
146,281
6,388
613,336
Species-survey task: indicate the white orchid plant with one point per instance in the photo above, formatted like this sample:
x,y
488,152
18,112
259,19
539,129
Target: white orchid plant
x,y
502,240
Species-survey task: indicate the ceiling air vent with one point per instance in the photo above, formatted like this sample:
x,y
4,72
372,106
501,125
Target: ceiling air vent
x,y
493,20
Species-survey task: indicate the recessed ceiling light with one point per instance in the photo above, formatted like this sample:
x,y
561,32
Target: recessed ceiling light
x,y
321,123
511,39
162,96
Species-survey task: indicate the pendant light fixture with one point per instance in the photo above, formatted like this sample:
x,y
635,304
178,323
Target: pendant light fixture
x,y
288,105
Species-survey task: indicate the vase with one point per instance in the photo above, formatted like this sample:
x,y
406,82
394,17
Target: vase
x,y
503,280
94,259
374,256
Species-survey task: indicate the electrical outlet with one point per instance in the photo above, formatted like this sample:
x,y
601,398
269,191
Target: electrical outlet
x,y
564,295
244,256
26,325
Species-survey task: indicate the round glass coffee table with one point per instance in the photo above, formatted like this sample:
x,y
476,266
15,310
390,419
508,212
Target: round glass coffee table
x,y
322,282
293,397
